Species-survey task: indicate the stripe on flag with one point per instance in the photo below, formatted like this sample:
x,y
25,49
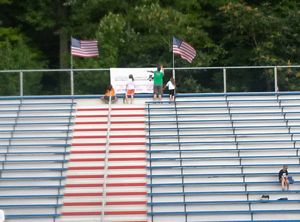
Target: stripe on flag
x,y
84,48
183,49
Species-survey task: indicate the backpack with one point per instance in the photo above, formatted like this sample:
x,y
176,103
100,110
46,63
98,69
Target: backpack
x,y
290,179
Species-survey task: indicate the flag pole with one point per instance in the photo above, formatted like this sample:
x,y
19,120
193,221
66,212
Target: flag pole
x,y
173,66
71,74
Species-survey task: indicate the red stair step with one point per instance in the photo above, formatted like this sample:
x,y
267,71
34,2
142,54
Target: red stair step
x,y
111,136
109,176
107,203
112,122
112,144
109,167
106,213
109,159
101,109
112,115
108,185
107,194
103,151
112,129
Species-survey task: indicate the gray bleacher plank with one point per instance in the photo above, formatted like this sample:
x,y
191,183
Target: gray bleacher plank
x,y
32,178
32,187
219,150
212,175
7,206
25,216
30,196
218,127
222,202
38,145
214,184
34,153
222,193
224,212
36,138
33,169
34,161
170,143
220,166
163,136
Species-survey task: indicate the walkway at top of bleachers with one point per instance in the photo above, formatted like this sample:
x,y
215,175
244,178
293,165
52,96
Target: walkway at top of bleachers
x,y
148,97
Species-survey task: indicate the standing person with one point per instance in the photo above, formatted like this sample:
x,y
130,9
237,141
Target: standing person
x,y
109,92
158,82
283,177
171,87
130,89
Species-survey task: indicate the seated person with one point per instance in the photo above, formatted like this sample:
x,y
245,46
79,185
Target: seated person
x,y
283,177
109,92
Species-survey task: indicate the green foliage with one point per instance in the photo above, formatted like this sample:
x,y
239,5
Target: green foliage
x,y
16,56
138,33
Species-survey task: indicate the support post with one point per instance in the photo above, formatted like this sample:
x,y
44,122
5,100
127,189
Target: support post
x,y
275,79
224,80
21,84
72,82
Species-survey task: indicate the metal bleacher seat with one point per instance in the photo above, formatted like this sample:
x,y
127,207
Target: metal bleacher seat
x,y
34,141
211,158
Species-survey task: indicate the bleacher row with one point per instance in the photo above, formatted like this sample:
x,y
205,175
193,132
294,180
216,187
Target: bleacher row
x,y
211,158
34,139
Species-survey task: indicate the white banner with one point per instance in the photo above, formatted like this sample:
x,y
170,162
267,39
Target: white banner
x,y
142,79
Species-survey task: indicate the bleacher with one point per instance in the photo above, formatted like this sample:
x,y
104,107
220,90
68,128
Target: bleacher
x,y
212,157
34,141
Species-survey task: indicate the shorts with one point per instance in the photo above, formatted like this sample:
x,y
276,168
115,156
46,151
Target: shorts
x,y
157,89
130,92
280,179
106,99
171,92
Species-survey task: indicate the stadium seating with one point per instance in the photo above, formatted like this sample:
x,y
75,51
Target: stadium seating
x,y
212,157
34,141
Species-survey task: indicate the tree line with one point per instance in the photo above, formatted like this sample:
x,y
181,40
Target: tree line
x,y
138,33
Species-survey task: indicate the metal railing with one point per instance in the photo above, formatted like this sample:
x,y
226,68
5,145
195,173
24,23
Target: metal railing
x,y
106,160
73,80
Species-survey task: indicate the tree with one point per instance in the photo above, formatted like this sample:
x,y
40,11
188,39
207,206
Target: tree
x,y
137,33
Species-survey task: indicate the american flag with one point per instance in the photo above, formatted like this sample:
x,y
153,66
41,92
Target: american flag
x,y
183,49
84,48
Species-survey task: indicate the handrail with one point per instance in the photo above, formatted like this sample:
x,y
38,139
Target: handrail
x,y
171,68
222,69
150,154
106,161
180,156
67,138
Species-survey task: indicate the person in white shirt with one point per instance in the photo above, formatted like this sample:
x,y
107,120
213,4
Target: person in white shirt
x,y
171,87
130,89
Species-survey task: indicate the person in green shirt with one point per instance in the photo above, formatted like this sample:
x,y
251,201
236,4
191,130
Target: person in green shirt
x,y
158,83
